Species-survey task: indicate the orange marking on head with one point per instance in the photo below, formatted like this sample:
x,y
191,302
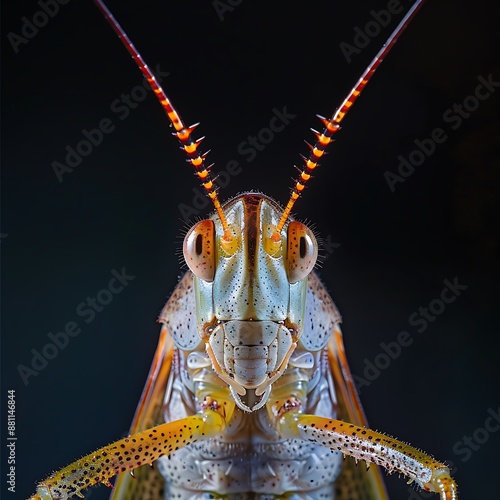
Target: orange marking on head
x,y
275,237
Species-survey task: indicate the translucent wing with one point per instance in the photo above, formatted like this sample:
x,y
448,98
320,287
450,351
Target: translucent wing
x,y
147,483
355,482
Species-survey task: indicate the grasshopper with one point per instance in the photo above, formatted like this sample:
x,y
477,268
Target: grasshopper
x,y
250,394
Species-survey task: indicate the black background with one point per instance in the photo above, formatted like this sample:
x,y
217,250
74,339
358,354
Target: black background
x,y
119,208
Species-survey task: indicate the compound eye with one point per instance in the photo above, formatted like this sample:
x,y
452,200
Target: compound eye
x,y
302,251
199,250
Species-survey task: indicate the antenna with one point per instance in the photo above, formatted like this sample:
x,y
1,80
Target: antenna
x,y
183,133
332,124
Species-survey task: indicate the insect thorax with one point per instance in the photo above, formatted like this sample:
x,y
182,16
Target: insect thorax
x,y
250,460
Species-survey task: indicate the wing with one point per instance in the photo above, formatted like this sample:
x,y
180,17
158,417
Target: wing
x,y
147,483
355,482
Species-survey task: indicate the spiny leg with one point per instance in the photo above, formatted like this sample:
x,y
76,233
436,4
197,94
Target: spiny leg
x,y
370,446
126,454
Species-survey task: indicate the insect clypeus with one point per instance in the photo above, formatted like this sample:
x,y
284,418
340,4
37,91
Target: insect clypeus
x,y
250,394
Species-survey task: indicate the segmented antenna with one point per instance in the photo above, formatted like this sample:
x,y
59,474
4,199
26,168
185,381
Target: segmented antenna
x,y
183,133
332,125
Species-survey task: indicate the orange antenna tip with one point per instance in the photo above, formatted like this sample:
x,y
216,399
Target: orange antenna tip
x,y
321,138
182,135
196,162
329,124
209,185
190,148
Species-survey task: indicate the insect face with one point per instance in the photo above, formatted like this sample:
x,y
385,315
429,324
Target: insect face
x,y
251,294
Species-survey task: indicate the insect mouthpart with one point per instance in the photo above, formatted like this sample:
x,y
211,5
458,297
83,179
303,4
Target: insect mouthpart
x,y
249,356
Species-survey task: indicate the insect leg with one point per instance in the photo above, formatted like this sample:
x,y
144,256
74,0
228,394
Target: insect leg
x,y
372,447
126,454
